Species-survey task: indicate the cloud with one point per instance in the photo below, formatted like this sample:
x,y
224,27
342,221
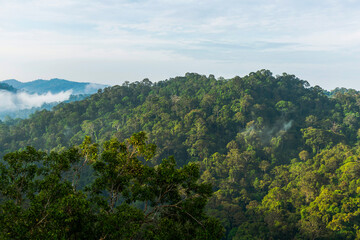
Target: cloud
x,y
92,87
10,101
147,34
89,26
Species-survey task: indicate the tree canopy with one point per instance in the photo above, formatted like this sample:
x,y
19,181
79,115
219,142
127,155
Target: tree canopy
x,y
40,196
281,156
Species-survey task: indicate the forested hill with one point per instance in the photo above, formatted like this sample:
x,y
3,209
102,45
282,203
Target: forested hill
x,y
189,117
281,155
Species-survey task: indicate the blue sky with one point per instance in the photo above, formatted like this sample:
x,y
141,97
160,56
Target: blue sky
x,y
115,41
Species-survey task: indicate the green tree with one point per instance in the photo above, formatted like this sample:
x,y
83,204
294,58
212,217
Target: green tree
x,y
128,199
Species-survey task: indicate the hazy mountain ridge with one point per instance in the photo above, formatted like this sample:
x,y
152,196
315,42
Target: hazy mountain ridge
x,y
19,100
7,87
54,86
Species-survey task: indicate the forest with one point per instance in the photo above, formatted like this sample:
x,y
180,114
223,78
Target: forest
x,y
253,157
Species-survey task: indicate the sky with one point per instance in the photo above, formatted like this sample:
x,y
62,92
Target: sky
x,y
109,42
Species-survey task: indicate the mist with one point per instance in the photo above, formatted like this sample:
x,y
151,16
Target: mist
x,y
92,88
10,101
287,125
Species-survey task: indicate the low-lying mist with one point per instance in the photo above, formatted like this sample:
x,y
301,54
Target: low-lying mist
x,y
10,101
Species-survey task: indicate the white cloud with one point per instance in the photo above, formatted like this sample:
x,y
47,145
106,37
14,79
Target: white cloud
x,y
148,33
10,101
92,87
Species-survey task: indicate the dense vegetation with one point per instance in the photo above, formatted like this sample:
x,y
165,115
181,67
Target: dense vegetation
x,y
40,196
282,156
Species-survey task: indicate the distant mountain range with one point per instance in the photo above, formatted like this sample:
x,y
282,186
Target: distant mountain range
x,y
20,100
54,86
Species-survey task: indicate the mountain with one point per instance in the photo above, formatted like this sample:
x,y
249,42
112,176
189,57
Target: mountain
x,y
19,100
282,156
54,86
7,87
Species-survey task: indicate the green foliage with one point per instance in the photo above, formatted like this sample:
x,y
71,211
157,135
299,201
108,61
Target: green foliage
x,y
127,199
282,158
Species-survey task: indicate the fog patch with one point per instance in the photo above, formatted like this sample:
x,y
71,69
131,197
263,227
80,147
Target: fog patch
x,y
279,128
257,133
287,125
10,101
92,88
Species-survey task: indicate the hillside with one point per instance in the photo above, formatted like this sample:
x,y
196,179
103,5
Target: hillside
x,y
282,156
195,114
